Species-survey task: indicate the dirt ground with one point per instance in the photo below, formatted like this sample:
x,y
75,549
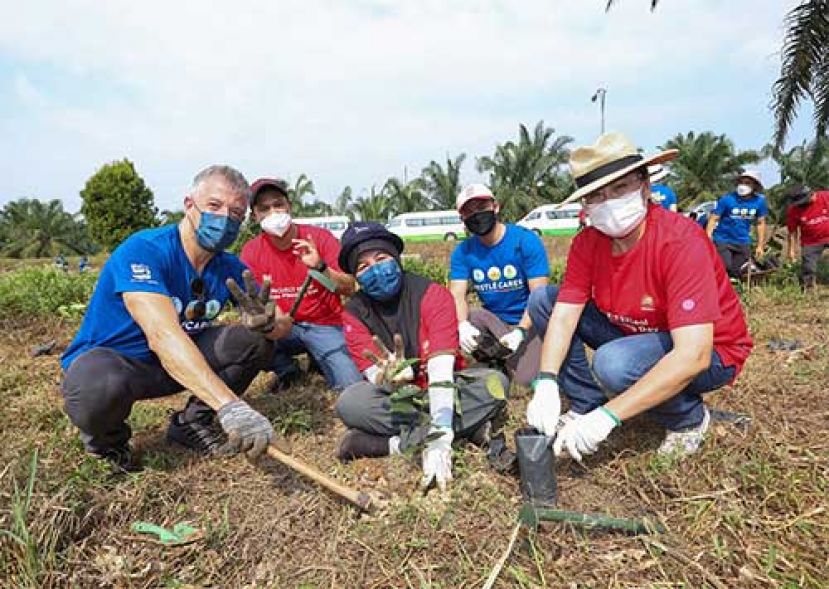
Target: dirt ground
x,y
750,510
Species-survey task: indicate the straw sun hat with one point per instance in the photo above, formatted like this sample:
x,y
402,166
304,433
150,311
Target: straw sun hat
x,y
611,157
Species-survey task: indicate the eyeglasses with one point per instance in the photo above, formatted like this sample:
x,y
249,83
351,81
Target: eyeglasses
x,y
196,308
616,189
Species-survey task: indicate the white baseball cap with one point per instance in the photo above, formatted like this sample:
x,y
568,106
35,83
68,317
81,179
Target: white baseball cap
x,y
754,175
472,192
657,172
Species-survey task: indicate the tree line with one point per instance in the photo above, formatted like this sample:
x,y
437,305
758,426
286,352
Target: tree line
x,y
523,173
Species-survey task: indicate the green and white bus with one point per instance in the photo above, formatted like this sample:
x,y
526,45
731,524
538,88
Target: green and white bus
x,y
553,219
428,226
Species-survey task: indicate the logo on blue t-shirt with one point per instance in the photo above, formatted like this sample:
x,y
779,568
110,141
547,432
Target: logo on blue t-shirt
x,y
500,273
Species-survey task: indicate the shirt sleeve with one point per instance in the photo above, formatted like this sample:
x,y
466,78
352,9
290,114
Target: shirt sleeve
x,y
577,284
329,249
535,256
458,268
357,340
439,320
720,209
763,208
691,297
792,219
670,196
138,266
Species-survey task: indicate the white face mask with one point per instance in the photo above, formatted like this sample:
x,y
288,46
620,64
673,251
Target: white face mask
x,y
276,223
618,216
744,189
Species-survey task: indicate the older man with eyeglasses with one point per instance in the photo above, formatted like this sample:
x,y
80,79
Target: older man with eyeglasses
x,y
148,332
647,291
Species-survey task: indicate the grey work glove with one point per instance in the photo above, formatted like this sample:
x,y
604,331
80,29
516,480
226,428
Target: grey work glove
x,y
258,310
247,430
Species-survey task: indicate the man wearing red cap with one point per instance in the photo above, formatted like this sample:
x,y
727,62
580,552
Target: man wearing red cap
x,y
286,252
807,218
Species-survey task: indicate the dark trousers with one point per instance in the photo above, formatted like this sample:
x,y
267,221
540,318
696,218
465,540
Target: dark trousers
x,y
734,255
369,408
523,365
809,257
619,362
101,385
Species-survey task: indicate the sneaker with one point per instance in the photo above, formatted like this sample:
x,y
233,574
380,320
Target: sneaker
x,y
358,444
686,441
203,435
121,459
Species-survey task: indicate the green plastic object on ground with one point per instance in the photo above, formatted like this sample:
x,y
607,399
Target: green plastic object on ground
x,y
180,534
531,516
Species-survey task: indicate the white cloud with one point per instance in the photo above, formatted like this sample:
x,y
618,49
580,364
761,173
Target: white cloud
x,y
351,92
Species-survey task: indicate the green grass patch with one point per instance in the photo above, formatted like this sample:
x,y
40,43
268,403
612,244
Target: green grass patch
x,y
33,292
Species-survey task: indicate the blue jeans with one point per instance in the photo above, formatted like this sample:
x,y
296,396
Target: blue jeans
x,y
326,344
619,361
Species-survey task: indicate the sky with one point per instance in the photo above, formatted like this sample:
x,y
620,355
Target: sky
x,y
351,92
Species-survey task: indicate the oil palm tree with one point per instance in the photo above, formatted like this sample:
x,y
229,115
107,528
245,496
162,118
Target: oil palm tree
x,y
804,70
343,203
405,197
528,172
442,185
707,165
30,228
303,187
375,206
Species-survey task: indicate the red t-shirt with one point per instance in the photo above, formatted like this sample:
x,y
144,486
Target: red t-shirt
x,y
672,277
813,220
437,332
287,272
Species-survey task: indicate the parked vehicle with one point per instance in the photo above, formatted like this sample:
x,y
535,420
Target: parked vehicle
x,y
428,226
335,224
553,219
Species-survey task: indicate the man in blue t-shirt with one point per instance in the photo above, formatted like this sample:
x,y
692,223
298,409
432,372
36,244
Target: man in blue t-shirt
x,y
148,332
661,194
503,263
729,224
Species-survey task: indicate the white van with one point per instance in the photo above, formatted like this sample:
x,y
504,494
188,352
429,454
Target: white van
x,y
428,226
335,225
555,219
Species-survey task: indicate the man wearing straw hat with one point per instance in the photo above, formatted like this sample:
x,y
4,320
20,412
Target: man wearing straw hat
x,y
646,290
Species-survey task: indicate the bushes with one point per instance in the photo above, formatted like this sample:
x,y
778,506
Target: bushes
x,y
44,291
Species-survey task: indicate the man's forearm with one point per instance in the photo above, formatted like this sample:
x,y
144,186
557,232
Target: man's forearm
x,y
712,224
183,360
461,308
667,378
761,234
342,281
559,334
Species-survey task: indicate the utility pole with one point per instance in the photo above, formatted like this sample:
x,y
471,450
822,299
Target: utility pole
x,y
600,95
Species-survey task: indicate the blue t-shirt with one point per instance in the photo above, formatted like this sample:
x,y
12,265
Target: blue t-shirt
x,y
663,195
737,216
499,274
151,260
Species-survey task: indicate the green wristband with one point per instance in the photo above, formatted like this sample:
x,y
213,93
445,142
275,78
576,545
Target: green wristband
x,y
612,415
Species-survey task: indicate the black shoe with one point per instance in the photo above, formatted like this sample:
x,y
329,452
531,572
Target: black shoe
x,y
121,459
358,444
203,435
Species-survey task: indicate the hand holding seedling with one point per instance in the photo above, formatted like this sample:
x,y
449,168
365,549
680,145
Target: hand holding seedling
x,y
393,366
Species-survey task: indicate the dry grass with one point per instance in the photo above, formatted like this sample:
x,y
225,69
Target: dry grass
x,y
750,510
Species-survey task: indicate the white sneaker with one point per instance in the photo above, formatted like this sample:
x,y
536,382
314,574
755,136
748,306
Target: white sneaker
x,y
686,441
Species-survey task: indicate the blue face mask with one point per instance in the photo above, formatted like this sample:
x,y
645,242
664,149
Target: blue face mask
x,y
216,232
382,281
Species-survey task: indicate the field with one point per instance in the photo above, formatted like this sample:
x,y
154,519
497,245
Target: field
x,y
750,510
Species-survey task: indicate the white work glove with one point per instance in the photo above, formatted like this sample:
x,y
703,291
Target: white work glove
x,y
544,409
437,459
513,339
583,435
469,337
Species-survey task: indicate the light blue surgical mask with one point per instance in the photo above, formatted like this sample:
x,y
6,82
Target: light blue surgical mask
x,y
216,232
382,281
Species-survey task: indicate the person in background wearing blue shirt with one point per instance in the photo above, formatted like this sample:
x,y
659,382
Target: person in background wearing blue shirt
x,y
504,263
148,332
729,224
661,194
